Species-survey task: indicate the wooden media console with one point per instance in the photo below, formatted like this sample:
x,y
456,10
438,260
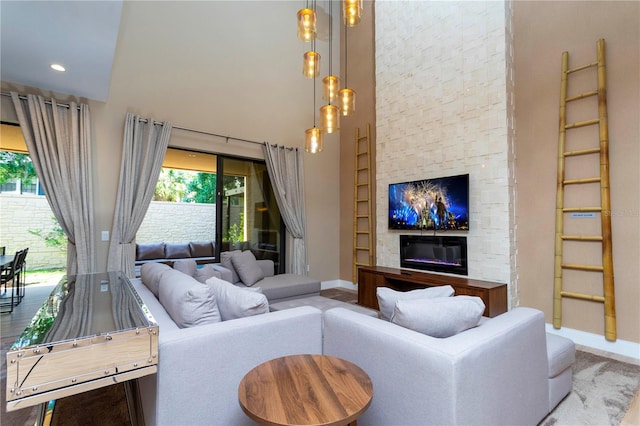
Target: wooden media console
x,y
494,295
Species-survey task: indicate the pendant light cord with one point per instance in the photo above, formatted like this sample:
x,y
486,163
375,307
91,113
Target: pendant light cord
x,y
346,85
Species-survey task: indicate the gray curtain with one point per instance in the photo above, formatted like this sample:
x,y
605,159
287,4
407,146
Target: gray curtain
x,y
144,147
59,142
285,168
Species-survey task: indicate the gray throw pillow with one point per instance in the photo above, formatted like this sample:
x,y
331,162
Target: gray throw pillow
x,y
235,302
247,268
186,266
387,297
204,273
440,316
188,302
150,274
225,260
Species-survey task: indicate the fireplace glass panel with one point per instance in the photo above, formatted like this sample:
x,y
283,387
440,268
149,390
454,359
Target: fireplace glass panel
x,y
432,253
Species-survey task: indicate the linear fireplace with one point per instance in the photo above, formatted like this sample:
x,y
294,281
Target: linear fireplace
x,y
434,253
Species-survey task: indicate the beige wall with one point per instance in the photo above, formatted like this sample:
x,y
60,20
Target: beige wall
x,y
218,67
543,30
361,78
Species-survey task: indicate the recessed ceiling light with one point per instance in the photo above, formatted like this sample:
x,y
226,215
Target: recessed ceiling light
x,y
58,67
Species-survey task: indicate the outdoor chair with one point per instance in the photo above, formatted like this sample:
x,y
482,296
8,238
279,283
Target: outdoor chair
x,y
8,275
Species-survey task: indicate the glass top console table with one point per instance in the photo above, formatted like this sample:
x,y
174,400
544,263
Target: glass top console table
x,y
92,331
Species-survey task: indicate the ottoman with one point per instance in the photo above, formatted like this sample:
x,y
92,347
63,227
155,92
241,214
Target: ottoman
x,y
322,303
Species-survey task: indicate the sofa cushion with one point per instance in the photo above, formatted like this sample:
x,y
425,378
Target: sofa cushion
x,y
439,316
561,354
186,266
205,272
285,286
177,251
387,297
150,251
150,274
225,260
235,302
201,249
247,268
188,302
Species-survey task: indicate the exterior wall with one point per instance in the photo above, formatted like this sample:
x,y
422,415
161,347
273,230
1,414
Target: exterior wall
x,y
441,110
177,223
18,215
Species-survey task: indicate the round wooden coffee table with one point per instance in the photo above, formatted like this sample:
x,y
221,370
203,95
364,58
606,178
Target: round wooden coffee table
x,y
305,390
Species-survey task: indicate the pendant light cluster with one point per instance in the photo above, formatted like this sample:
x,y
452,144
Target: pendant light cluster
x,y
339,101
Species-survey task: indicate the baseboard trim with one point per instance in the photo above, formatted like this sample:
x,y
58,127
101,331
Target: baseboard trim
x,y
597,341
338,283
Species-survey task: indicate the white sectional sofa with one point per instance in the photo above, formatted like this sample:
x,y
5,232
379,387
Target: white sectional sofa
x,y
501,372
200,368
497,373
277,288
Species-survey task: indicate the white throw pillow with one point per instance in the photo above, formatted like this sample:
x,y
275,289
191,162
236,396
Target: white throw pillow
x,y
440,316
186,266
235,302
206,272
225,260
247,268
387,297
150,274
188,302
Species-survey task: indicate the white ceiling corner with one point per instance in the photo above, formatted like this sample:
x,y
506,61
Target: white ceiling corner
x,y
80,35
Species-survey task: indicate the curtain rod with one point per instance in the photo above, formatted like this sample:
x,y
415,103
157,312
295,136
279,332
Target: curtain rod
x,y
217,135
24,98
202,132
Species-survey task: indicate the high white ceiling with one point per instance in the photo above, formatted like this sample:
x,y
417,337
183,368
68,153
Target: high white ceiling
x,y
80,35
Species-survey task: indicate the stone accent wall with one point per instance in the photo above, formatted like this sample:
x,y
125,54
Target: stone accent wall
x,y
444,107
18,215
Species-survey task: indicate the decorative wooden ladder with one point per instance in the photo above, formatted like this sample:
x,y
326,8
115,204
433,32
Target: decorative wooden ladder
x,y
362,220
604,209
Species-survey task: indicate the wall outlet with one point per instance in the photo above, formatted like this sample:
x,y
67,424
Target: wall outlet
x,y
105,235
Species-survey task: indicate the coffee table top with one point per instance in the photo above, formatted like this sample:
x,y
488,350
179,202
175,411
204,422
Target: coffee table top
x,y
305,390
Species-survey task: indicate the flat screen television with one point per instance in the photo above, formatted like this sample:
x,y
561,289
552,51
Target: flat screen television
x,y
430,204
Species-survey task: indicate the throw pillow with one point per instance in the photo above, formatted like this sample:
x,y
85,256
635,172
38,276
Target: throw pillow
x,y
387,297
150,274
204,273
186,266
440,316
235,302
188,302
225,260
247,268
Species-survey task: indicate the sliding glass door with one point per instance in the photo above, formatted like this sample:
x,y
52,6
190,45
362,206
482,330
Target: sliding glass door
x,y
249,216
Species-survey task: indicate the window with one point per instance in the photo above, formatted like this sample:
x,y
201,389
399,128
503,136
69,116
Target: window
x,y
206,197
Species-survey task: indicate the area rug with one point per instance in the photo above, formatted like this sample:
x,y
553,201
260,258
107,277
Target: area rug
x,y
602,392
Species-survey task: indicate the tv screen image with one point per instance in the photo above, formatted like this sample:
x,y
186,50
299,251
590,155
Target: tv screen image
x,y
430,204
